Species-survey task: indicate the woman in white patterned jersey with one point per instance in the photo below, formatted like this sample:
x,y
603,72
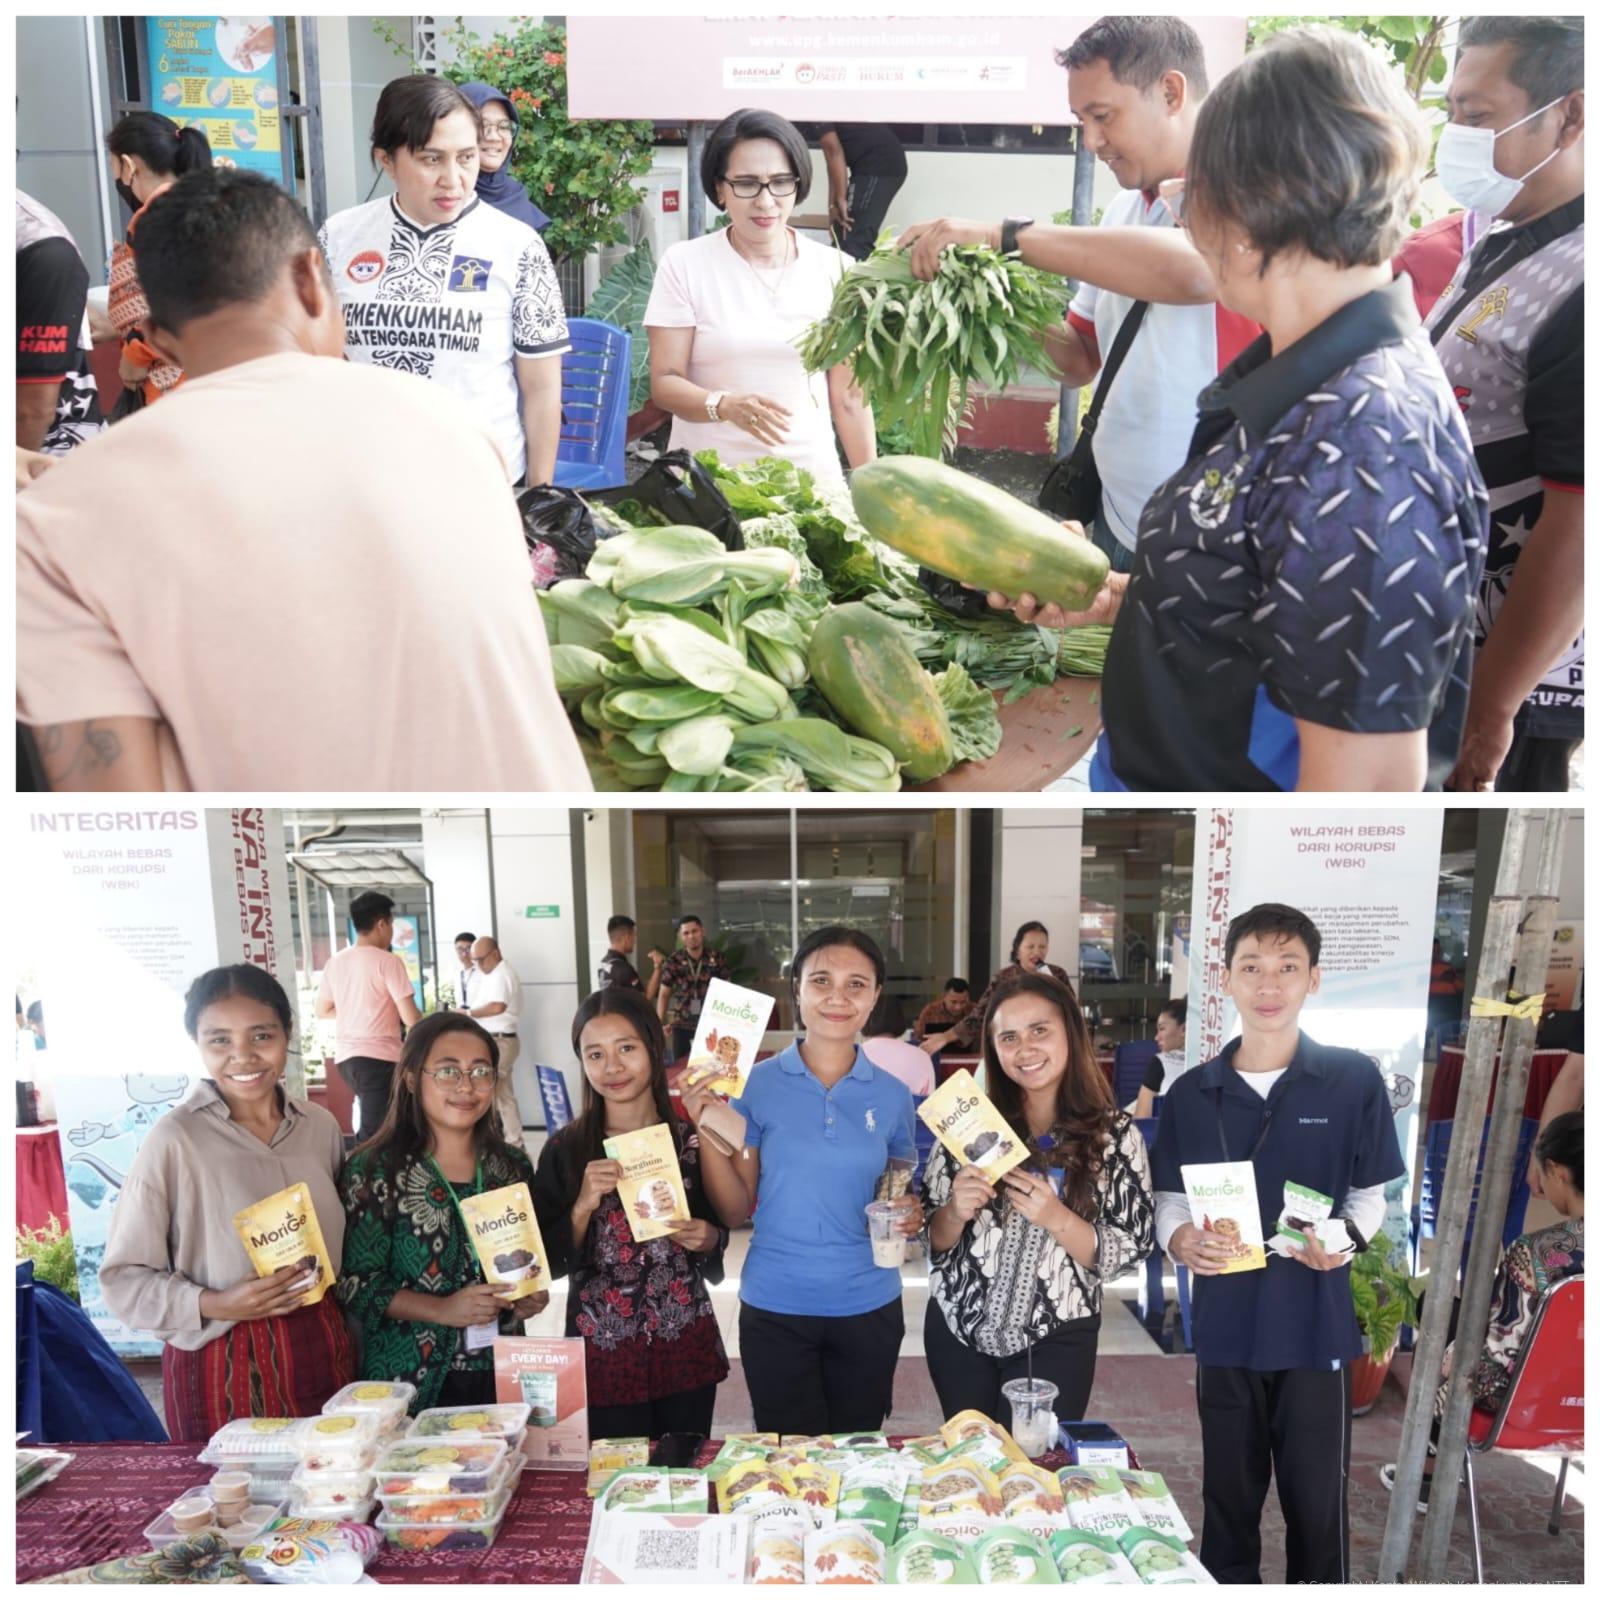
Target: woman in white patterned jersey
x,y
435,282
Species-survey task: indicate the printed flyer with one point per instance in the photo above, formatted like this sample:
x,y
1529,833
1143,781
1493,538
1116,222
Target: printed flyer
x,y
549,1375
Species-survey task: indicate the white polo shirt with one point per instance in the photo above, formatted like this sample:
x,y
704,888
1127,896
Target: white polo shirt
x,y
456,303
1149,417
502,984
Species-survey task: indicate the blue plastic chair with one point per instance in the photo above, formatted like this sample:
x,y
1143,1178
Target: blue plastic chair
x,y
1128,1068
557,1104
1436,1155
595,378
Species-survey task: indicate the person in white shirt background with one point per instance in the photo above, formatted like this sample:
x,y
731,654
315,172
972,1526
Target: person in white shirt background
x,y
497,1004
436,282
464,944
1170,1060
726,309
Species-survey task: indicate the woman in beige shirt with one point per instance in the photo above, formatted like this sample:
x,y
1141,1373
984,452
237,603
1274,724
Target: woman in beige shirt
x,y
236,1345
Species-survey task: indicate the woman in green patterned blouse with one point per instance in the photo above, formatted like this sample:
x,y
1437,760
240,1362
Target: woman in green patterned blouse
x,y
411,1276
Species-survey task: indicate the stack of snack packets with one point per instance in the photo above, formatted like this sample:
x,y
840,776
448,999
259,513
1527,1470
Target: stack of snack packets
x,y
1088,1558
638,1489
753,1484
856,1441
873,1492
1153,1504
1013,1555
957,1487
608,1456
846,1552
1097,1501
778,1544
927,1557
734,1452
1159,1559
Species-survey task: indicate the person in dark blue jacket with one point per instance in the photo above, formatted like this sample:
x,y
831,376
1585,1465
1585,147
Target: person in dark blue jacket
x,y
1273,1345
498,127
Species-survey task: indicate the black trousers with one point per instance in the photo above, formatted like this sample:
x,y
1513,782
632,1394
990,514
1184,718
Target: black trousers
x,y
821,1374
682,1041
372,1082
1535,765
468,1389
689,1412
965,1378
1294,1426
870,194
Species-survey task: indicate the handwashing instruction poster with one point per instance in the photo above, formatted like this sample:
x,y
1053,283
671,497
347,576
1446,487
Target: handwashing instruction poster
x,y
219,74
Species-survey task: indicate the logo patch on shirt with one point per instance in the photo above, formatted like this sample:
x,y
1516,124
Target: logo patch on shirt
x,y
365,268
469,274
872,1123
1308,1122
1211,497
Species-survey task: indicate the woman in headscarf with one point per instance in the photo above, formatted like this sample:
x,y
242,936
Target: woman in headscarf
x,y
498,127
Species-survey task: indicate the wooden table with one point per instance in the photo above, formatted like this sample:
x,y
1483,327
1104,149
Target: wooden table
x,y
1043,737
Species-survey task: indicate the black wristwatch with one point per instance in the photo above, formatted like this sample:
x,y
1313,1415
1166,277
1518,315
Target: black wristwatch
x,y
1009,229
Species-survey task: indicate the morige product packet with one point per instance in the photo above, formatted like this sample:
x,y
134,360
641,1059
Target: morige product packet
x,y
283,1231
1222,1200
967,1124
549,1376
506,1237
651,1189
732,1024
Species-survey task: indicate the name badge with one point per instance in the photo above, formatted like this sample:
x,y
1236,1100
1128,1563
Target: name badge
x,y
481,1336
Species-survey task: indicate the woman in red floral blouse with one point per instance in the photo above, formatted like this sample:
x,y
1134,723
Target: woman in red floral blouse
x,y
654,1355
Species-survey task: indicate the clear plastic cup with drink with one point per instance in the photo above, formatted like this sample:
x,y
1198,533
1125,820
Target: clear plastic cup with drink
x,y
1033,1416
888,1243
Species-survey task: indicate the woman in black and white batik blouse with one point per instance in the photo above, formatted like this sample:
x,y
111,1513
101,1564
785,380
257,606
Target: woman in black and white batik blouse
x,y
1020,1264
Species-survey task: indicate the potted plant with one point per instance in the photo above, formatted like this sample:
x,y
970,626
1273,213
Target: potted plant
x,y
1384,1302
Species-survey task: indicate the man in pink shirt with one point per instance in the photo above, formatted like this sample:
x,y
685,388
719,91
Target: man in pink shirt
x,y
367,990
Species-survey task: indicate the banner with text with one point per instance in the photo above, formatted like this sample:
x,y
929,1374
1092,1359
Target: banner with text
x,y
855,69
219,74
1370,882
127,907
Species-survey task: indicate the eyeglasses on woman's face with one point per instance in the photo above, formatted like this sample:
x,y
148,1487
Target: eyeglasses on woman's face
x,y
780,188
497,130
449,1077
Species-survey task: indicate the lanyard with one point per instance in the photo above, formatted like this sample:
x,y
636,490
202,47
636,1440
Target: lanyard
x,y
450,1189
1266,1127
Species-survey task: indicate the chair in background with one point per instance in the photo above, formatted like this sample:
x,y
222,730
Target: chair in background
x,y
1153,1294
557,1104
1436,1155
1543,1409
1128,1068
595,377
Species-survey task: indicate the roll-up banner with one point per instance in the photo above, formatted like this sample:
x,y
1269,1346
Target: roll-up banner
x,y
1370,882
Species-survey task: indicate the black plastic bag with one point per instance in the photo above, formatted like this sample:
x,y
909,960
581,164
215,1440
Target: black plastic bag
x,y
561,532
955,597
682,493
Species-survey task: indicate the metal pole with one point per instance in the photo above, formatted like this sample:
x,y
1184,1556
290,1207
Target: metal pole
x,y
311,89
1082,216
1516,1052
697,198
1428,1362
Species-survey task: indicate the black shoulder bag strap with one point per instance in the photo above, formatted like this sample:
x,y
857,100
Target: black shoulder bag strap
x,y
1071,488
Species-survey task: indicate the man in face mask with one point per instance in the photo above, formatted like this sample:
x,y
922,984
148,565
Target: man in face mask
x,y
1509,331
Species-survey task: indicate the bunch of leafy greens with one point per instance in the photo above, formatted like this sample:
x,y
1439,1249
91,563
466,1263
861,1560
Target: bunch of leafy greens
x,y
916,349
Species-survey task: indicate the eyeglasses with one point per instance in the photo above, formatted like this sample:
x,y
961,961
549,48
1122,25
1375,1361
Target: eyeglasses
x,y
503,129
449,1077
779,188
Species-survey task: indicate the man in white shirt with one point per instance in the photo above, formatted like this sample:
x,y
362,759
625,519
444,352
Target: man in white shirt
x,y
497,1004
464,944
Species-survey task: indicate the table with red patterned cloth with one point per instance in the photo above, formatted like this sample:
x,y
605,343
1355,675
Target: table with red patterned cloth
x,y
98,1508
41,1182
1446,1087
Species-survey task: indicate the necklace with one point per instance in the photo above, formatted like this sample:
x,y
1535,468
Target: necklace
x,y
772,289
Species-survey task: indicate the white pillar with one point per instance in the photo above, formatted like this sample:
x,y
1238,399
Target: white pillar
x,y
455,856
1040,878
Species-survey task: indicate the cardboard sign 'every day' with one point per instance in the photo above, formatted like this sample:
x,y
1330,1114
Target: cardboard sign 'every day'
x,y
549,1375
732,1024
651,1189
968,1126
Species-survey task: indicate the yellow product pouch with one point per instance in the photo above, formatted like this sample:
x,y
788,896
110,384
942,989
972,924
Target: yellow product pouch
x,y
505,1234
651,1189
815,1486
283,1231
1028,1490
958,1486
968,1126
971,1428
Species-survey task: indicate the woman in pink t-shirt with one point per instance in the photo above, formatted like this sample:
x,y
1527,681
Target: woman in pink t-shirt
x,y
884,1045
727,308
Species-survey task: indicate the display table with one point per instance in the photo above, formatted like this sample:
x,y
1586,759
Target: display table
x,y
41,1182
1446,1088
1043,737
98,1508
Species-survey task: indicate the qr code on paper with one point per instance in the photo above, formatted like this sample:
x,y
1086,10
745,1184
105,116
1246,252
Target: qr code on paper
x,y
667,1550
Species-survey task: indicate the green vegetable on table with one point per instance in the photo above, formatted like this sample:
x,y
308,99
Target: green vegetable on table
x,y
917,348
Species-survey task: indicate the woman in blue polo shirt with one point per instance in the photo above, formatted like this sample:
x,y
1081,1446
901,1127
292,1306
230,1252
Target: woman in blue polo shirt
x,y
1299,609
819,1325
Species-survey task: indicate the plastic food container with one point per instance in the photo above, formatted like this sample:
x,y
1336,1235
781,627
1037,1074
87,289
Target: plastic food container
x,y
164,1531
345,1440
388,1402
468,1533
419,1508
424,1466
248,1440
304,1504
507,1420
333,1486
